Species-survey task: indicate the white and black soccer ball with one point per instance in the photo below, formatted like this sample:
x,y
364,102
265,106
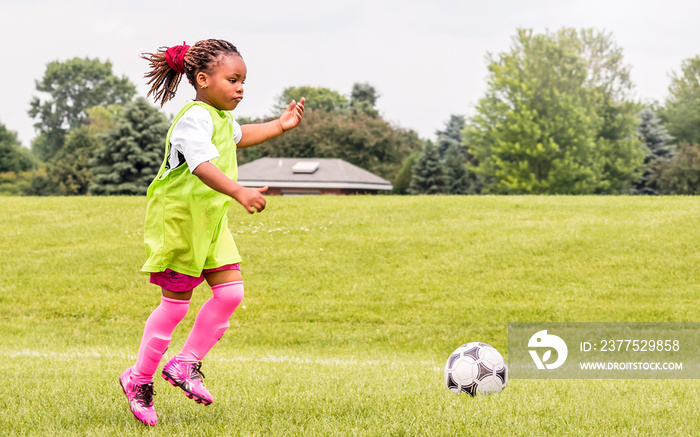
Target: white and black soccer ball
x,y
476,368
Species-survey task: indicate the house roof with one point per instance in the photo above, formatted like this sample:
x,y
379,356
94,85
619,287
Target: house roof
x,y
308,173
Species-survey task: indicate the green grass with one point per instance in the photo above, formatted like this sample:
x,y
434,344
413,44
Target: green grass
x,y
352,306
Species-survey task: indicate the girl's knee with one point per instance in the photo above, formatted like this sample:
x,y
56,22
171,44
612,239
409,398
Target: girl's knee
x,y
229,294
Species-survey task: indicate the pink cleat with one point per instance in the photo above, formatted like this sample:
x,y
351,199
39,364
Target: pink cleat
x,y
140,397
189,378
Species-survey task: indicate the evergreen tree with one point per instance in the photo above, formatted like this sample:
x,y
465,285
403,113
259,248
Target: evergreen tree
x,y
660,149
428,172
452,135
456,176
132,153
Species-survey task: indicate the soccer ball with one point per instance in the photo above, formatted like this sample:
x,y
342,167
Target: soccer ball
x,y
476,368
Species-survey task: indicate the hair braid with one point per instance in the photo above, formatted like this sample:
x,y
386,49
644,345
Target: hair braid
x,y
200,57
162,78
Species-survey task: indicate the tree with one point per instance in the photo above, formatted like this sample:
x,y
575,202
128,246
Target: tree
x,y
334,128
70,167
660,148
14,184
451,135
14,157
316,98
132,153
45,145
557,117
68,172
73,86
360,139
681,174
44,184
402,180
456,177
363,92
363,98
102,118
428,172
682,108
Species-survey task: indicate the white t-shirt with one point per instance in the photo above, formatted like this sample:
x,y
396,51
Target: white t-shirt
x,y
191,138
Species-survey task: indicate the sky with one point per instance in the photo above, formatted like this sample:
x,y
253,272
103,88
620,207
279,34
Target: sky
x,y
426,58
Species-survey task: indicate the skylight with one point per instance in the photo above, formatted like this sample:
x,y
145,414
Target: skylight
x,y
305,167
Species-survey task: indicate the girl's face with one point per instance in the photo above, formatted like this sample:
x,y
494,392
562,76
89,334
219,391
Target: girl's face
x,y
222,87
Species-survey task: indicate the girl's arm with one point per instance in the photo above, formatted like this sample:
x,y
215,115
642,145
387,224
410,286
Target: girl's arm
x,y
251,198
259,133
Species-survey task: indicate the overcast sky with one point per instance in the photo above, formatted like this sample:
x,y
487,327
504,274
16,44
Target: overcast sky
x,y
426,58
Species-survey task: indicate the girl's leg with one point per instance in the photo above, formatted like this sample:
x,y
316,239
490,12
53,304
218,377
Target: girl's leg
x,y
158,332
137,381
213,318
183,370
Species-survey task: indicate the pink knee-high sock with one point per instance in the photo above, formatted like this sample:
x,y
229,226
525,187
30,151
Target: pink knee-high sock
x,y
212,321
156,337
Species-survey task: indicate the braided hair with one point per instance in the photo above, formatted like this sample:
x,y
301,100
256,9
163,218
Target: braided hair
x,y
201,57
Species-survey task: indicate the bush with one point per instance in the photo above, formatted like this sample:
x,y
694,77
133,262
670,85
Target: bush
x,y
14,183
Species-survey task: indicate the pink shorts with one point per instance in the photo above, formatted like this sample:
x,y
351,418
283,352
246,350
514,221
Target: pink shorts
x,y
179,282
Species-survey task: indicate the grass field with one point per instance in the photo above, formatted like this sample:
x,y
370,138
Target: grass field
x,y
352,306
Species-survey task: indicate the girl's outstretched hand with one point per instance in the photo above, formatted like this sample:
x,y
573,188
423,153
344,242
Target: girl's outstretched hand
x,y
291,117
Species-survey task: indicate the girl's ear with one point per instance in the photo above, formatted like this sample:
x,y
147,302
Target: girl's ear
x,y
202,79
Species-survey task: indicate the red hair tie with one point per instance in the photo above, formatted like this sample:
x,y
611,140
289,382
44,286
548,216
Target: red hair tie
x,y
175,57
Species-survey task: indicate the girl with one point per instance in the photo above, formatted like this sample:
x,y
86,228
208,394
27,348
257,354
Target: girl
x,y
186,234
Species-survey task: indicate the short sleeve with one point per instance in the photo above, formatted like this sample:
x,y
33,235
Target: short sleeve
x,y
191,137
237,132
